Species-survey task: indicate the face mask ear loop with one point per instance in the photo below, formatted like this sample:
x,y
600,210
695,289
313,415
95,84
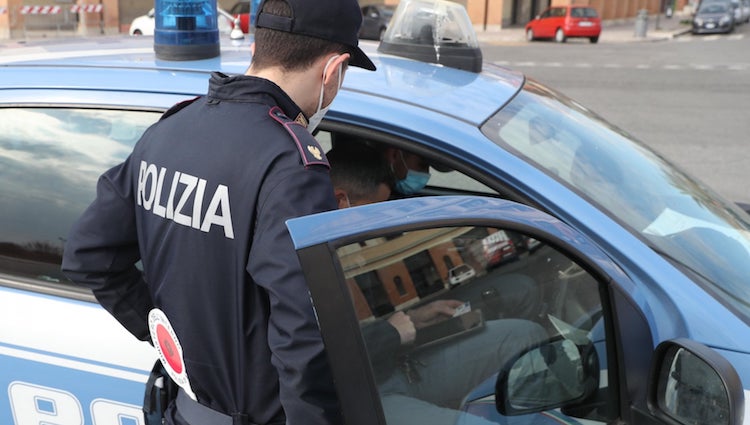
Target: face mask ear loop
x,y
341,81
323,83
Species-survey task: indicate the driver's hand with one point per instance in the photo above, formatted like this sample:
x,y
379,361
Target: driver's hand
x,y
434,312
404,326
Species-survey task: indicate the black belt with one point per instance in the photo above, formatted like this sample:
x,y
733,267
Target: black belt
x,y
197,414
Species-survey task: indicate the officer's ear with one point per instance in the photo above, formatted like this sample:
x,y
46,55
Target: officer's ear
x,y
332,72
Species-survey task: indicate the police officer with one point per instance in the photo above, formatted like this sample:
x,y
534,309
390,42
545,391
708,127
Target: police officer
x,y
202,202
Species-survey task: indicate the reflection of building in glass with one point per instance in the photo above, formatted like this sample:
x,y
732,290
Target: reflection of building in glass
x,y
387,274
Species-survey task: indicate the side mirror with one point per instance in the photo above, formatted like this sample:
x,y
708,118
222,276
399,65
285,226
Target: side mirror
x,y
551,375
692,384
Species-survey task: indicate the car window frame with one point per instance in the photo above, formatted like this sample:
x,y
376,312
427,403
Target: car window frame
x,y
424,149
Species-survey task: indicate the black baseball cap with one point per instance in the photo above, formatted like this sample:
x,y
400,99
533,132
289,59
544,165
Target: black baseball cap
x,y
333,20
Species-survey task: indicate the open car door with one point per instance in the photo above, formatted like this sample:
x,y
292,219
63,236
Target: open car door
x,y
553,334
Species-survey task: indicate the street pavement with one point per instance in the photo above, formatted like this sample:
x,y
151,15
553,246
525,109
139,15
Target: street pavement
x,y
613,31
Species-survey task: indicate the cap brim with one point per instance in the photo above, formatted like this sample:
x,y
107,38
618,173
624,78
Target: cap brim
x,y
360,59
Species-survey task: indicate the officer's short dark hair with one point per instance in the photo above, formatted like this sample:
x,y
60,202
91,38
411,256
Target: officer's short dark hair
x,y
288,50
359,170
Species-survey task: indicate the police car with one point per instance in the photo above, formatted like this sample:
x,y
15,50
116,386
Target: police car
x,y
639,284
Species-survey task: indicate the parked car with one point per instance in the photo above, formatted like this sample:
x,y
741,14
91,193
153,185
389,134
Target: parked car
x,y
739,11
714,17
744,10
375,20
563,22
145,24
532,244
460,274
242,10
642,288
497,248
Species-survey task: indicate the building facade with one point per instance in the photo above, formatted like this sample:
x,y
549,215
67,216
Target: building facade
x,y
42,18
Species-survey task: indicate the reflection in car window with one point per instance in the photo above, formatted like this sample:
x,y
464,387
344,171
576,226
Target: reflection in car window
x,y
469,303
50,160
678,215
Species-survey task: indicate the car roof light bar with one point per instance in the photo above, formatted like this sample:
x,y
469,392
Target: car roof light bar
x,y
435,31
186,30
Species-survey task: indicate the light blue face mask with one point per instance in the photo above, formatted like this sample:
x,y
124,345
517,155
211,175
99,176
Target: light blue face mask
x,y
413,183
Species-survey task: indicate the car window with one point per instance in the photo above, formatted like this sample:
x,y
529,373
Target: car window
x,y
50,160
514,300
442,181
678,216
546,14
588,12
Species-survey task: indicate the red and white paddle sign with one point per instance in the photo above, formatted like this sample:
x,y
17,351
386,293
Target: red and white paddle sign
x,y
169,349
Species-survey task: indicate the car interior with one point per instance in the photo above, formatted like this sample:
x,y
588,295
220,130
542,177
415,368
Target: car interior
x,y
509,281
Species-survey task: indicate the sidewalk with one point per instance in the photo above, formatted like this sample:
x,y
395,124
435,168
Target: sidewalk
x,y
613,31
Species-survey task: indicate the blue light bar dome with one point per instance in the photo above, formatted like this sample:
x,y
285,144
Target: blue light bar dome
x,y
186,30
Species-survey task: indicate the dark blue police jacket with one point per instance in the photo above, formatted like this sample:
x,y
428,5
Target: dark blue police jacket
x,y
202,200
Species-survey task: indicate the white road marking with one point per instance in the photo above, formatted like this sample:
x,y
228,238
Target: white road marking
x,y
641,66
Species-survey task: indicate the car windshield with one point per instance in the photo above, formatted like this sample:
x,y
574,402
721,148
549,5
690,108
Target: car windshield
x,y
677,215
713,8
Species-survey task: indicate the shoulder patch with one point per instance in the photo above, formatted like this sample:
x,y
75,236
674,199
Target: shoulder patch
x,y
309,148
177,107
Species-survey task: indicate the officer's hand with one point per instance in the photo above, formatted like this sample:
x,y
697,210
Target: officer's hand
x,y
404,326
434,312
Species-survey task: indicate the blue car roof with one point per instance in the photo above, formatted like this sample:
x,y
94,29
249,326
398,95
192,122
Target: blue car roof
x,y
132,66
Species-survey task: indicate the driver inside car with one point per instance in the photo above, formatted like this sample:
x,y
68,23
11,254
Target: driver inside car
x,y
412,380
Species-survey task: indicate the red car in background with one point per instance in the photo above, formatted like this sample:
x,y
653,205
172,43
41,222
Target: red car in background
x,y
563,22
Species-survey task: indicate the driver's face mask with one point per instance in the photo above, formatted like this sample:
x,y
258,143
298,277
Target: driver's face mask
x,y
317,117
414,181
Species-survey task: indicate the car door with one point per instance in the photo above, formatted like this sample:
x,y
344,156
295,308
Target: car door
x,y
550,22
552,337
541,24
63,359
